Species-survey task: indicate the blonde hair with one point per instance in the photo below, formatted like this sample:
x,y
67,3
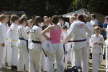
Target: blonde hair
x,y
2,17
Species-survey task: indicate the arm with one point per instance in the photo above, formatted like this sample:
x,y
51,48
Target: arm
x,y
44,32
89,32
70,34
1,37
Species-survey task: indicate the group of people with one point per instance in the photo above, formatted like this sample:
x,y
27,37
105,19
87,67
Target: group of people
x,y
48,43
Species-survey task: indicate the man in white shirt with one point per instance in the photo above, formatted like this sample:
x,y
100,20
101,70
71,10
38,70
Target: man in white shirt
x,y
77,33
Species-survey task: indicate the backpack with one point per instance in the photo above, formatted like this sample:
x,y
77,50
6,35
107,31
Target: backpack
x,y
73,69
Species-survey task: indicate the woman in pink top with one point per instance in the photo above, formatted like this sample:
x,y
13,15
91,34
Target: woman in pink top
x,y
56,50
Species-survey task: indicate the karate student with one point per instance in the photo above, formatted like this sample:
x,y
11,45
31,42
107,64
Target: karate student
x,y
3,36
13,38
77,33
96,42
62,22
67,49
94,20
56,51
35,48
23,62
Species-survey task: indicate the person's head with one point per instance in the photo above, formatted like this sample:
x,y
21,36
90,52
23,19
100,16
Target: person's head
x,y
76,15
87,18
37,20
55,20
30,22
97,30
14,19
24,16
71,19
93,16
22,21
45,18
47,21
4,18
81,17
61,20
106,19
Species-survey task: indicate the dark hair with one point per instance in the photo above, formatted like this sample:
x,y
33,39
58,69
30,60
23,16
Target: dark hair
x,y
13,18
65,27
37,20
55,19
61,18
81,18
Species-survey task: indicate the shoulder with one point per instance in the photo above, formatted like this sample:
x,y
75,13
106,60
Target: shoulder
x,y
101,36
36,28
66,23
93,35
51,26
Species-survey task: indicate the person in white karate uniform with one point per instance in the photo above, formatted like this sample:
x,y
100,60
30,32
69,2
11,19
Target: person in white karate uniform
x,y
23,62
63,23
13,38
35,47
3,37
77,33
94,20
67,49
96,42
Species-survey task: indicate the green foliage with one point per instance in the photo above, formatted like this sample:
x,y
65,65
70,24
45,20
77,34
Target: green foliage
x,y
99,6
51,7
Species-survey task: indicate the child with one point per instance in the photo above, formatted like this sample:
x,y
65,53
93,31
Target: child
x,y
67,48
96,41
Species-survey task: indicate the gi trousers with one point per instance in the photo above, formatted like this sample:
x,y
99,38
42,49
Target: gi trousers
x,y
81,58
35,58
56,53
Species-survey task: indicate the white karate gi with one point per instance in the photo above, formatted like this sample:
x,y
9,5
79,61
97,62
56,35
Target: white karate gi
x,y
96,44
3,38
65,24
78,31
13,38
35,49
94,22
23,63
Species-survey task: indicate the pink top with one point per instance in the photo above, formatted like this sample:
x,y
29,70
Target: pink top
x,y
55,36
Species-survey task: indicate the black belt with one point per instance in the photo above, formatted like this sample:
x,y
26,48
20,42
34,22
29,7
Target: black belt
x,y
38,42
78,40
21,38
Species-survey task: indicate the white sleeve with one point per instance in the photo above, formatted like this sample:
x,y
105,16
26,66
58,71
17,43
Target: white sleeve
x,y
71,30
91,41
89,33
102,40
1,35
67,24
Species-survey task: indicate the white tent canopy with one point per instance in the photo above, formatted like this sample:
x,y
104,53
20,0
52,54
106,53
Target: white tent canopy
x,y
80,11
